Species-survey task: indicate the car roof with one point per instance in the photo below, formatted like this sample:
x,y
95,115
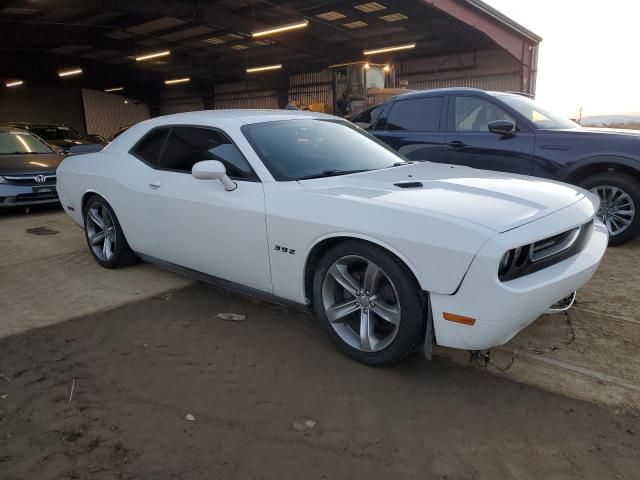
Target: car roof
x,y
240,115
33,124
438,91
11,129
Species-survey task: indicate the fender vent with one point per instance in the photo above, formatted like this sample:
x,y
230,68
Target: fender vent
x,y
409,185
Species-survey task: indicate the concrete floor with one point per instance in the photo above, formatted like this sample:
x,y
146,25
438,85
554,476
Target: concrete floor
x,y
138,360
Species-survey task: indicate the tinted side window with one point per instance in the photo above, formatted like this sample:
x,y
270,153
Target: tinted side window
x,y
473,114
417,115
187,146
151,145
368,118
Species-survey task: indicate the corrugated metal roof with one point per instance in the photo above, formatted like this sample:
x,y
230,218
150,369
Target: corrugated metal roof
x,y
502,18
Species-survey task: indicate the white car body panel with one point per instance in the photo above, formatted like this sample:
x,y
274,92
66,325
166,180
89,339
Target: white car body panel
x,y
451,232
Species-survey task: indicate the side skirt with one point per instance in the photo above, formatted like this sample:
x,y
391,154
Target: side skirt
x,y
225,284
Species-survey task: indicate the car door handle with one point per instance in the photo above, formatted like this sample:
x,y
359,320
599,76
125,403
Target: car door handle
x,y
155,184
457,144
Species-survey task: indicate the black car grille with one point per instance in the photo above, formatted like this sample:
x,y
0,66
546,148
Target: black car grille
x,y
31,180
31,197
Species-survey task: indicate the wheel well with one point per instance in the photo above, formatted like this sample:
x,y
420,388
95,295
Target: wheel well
x,y
323,247
85,199
589,170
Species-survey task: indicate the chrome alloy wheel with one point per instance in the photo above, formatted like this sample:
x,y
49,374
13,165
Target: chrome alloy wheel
x,y
101,232
361,303
617,210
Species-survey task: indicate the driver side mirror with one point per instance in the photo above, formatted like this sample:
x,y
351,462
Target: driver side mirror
x,y
506,128
213,170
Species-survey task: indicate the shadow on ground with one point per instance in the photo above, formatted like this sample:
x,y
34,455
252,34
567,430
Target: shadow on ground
x,y
138,370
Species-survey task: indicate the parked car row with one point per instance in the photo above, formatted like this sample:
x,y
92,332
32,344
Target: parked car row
x,y
27,169
29,156
60,136
307,208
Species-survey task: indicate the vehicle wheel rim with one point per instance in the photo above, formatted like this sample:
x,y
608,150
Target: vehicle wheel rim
x,y
101,232
617,209
361,303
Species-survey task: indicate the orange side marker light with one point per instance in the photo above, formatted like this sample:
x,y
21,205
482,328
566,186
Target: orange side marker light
x,y
452,317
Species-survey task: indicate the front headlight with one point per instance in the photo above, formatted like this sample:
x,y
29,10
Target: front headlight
x,y
3,180
535,256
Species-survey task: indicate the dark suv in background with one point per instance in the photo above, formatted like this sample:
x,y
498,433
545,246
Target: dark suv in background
x,y
512,133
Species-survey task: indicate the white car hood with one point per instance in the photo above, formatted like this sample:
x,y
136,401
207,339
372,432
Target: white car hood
x,y
494,200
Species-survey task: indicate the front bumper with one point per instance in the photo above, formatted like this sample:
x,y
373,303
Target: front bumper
x,y
502,309
27,195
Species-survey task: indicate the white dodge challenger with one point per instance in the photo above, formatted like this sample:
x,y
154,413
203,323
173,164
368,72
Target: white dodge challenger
x,y
308,209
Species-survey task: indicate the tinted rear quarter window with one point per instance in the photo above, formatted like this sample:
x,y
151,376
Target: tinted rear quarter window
x,y
416,115
187,146
151,145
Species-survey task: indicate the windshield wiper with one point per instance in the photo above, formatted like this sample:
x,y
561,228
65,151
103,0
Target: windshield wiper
x,y
331,173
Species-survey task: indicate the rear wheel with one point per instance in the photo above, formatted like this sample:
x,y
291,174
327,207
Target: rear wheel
x,y
369,303
619,204
104,236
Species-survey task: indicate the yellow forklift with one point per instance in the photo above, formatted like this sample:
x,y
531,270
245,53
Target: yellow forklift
x,y
360,85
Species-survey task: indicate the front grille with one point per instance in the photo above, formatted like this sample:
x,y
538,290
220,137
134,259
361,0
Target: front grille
x,y
552,245
30,197
31,180
544,253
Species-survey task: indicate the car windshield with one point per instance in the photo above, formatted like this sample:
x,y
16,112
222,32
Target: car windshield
x,y
56,133
315,148
16,143
530,109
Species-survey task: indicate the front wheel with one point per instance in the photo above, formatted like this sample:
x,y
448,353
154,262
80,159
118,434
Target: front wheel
x,y
369,303
619,203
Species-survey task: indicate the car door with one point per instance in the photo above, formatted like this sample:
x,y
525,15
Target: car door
x,y
197,224
412,126
469,141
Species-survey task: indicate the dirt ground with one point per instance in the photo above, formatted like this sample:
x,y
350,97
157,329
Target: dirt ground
x,y
97,383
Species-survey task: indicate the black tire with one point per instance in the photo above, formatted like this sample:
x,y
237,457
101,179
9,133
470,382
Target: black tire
x,y
123,256
631,187
411,328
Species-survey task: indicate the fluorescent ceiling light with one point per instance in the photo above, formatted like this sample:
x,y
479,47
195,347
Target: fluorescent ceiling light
x,y
151,56
68,73
264,69
15,83
370,7
330,16
375,51
356,24
394,17
115,89
284,28
177,80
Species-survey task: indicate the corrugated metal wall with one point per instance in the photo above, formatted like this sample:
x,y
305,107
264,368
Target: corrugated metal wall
x,y
178,101
308,88
105,113
42,105
489,70
244,95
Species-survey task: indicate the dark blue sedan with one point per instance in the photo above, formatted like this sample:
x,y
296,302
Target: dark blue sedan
x,y
511,133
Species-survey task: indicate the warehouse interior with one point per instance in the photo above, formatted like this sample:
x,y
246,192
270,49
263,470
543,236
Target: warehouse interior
x,y
99,69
